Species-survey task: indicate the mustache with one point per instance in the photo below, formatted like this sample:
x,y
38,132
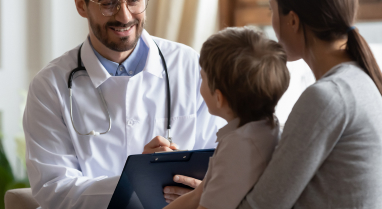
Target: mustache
x,y
119,24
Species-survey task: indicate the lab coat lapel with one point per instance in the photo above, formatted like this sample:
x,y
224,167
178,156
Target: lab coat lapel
x,y
97,73
154,64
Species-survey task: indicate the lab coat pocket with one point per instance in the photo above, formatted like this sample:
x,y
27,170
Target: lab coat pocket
x,y
183,130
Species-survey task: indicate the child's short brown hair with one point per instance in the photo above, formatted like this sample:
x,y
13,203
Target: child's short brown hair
x,y
249,69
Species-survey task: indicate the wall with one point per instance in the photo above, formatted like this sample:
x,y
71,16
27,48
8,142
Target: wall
x,y
32,33
189,22
13,74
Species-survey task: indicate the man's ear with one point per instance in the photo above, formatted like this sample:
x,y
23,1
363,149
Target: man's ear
x,y
220,100
294,21
81,8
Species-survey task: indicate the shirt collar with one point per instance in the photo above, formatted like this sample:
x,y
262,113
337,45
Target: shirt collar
x,y
110,66
97,72
231,126
130,64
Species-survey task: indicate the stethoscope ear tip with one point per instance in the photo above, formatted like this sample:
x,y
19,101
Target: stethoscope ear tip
x,y
94,133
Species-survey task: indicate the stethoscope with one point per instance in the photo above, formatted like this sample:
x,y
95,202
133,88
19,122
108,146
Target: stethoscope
x,y
95,133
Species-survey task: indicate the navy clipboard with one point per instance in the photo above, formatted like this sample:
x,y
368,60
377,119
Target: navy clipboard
x,y
144,177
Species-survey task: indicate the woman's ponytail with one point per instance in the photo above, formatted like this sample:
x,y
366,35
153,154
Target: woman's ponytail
x,y
359,49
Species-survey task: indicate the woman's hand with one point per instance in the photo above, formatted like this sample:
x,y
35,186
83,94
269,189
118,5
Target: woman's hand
x,y
173,192
191,199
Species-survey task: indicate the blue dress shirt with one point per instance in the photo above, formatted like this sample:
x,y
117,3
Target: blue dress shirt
x,y
133,65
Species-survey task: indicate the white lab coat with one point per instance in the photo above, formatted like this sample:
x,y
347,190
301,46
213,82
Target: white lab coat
x,y
67,170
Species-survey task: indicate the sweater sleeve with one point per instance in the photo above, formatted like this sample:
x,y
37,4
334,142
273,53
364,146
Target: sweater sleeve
x,y
314,126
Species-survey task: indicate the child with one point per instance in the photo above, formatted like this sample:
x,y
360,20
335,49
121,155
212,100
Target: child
x,y
243,77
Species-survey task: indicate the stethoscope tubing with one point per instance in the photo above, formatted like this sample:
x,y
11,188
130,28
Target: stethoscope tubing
x,y
70,80
168,96
80,67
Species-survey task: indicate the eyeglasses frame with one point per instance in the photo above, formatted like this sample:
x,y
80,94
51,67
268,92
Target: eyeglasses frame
x,y
119,7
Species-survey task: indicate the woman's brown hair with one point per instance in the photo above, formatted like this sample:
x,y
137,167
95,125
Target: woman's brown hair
x,y
331,20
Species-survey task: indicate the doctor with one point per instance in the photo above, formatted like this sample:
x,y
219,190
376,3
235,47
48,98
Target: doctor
x,y
125,80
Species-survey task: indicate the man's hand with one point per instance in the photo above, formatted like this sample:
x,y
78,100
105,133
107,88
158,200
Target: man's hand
x,y
159,144
173,192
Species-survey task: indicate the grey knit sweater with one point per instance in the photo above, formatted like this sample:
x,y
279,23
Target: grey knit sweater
x,y
330,153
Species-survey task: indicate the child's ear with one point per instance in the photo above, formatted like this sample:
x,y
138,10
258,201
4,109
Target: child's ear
x,y
220,99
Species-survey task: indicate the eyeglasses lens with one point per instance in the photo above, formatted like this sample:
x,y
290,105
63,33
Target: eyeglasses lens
x,y
111,7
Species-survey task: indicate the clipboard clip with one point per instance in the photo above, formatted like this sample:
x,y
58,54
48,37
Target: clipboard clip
x,y
170,157
176,150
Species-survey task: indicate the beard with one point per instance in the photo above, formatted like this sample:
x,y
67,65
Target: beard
x,y
124,43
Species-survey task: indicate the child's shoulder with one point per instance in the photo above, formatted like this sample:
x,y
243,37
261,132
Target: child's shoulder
x,y
258,134
255,129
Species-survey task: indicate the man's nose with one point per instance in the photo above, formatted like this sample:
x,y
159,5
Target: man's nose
x,y
124,15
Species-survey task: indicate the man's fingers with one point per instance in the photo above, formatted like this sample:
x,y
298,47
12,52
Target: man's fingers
x,y
159,144
158,149
174,146
158,141
191,182
174,190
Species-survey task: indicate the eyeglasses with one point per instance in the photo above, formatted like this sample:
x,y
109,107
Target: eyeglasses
x,y
111,7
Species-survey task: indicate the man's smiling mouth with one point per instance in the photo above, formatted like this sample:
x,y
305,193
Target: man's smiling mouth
x,y
121,29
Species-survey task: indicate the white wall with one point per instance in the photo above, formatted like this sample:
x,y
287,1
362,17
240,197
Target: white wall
x,y
32,33
13,74
68,28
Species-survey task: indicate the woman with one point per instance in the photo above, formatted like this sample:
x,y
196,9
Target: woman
x,y
330,153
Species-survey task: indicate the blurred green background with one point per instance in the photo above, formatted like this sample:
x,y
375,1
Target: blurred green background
x,y
8,180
